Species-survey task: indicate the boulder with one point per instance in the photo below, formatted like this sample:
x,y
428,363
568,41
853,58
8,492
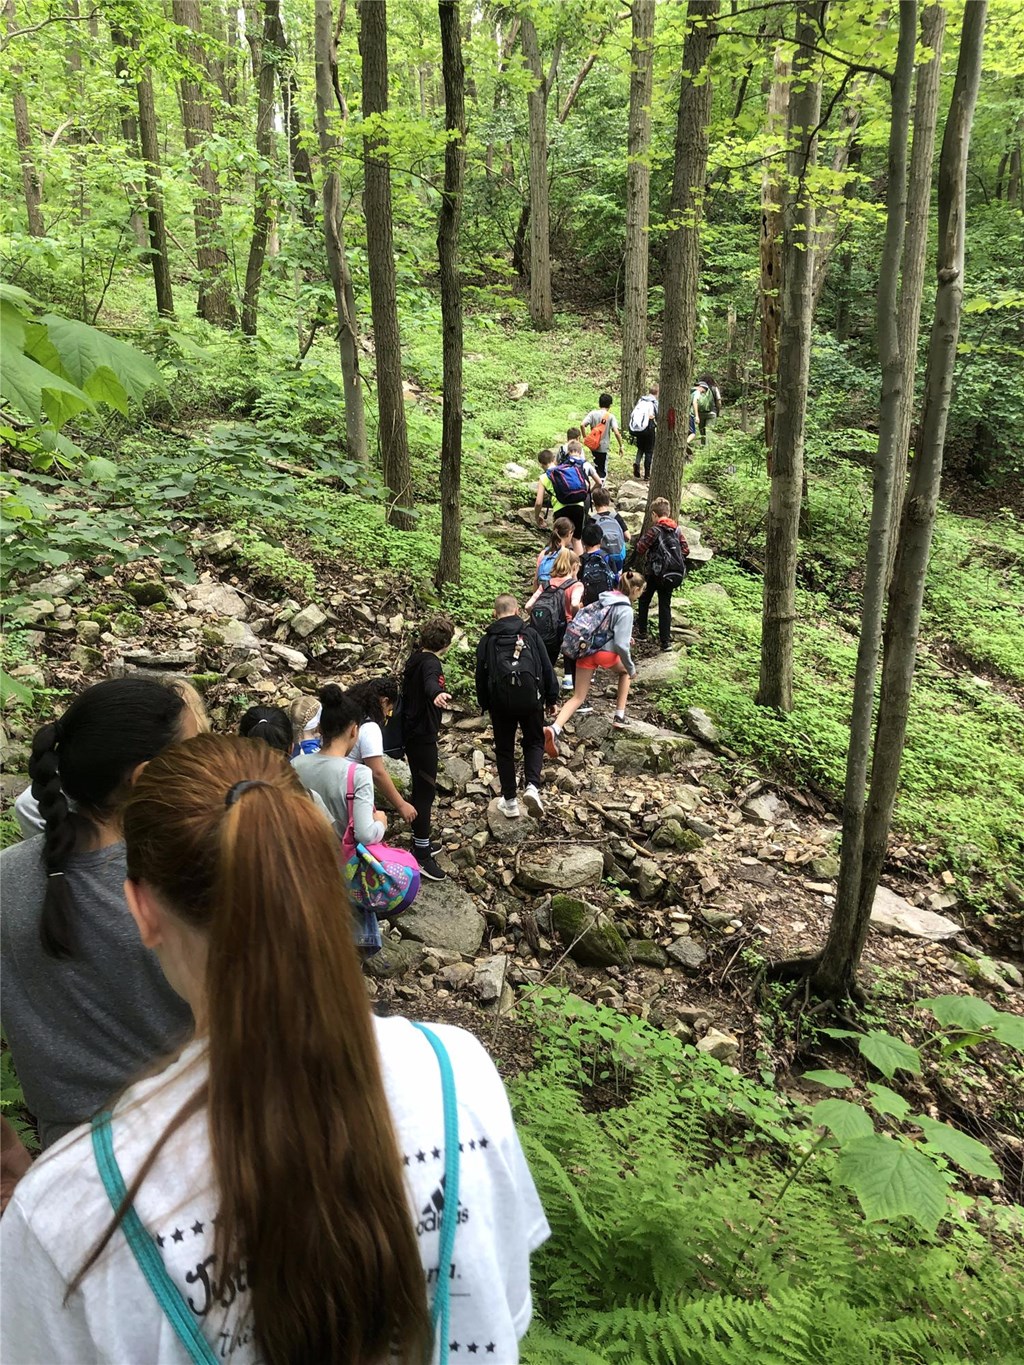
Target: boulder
x,y
560,867
86,658
590,935
824,869
58,584
455,976
700,724
395,959
646,953
308,620
147,593
893,915
515,472
88,632
400,775
712,590
671,834
698,492
443,916
506,831
660,670
217,599
720,1045
631,495
687,953
219,545
633,751
763,809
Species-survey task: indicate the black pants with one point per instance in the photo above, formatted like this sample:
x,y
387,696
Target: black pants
x,y
664,591
532,727
576,513
645,450
600,458
422,757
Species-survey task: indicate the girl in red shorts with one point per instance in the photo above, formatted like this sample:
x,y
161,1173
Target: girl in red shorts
x,y
616,657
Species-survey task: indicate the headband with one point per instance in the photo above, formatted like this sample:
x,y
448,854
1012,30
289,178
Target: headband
x,y
313,721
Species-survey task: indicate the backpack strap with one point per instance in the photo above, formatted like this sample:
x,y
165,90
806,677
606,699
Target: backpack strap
x,y
142,1247
440,1309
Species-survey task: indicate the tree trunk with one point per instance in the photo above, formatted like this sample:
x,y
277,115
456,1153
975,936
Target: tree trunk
x,y
633,383
915,246
450,559
835,973
893,379
828,219
129,131
269,57
30,182
334,238
215,303
298,156
783,526
771,242
380,253
682,254
541,309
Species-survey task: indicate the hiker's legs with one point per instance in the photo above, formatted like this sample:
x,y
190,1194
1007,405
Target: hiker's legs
x,y
645,450
584,677
643,606
601,463
532,730
622,694
665,614
577,514
505,751
422,758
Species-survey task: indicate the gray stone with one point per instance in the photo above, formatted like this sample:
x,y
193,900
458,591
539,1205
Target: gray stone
x,y
671,834
294,658
515,472
560,867
518,391
170,661
395,959
308,620
219,545
400,775
58,584
646,953
720,1045
443,916
238,636
824,869
712,590
983,970
86,658
699,723
88,632
456,976
631,495
893,915
631,751
1011,973
217,599
688,953
698,492
717,919
700,827
455,773
686,802
591,937
660,670
506,831
649,878
763,809
489,978
147,593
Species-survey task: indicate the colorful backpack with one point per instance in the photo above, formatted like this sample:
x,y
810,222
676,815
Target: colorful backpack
x,y
569,480
380,879
588,631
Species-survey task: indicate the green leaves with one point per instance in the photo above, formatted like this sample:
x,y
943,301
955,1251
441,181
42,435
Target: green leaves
x,y
892,1179
960,1011
968,1153
889,1054
843,1120
835,1080
886,1101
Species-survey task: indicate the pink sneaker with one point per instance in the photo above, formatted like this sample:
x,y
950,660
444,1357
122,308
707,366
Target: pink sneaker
x,y
550,742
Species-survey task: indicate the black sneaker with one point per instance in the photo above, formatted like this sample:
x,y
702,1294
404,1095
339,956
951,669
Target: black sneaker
x,y
430,869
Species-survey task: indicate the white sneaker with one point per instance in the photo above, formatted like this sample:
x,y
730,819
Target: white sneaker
x,y
532,801
567,684
510,809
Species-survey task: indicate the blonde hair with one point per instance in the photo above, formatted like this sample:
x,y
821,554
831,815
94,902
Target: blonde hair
x,y
194,703
632,584
301,712
563,566
660,507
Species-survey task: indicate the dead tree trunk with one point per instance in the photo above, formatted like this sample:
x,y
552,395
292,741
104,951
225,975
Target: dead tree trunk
x,y
264,178
772,181
541,308
783,527
682,253
380,252
449,564
638,210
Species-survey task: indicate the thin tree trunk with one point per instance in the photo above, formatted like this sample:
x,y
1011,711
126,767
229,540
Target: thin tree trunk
x,y
334,237
130,133
449,565
30,182
298,156
541,308
828,218
633,383
269,57
893,378
783,526
835,973
915,248
380,252
682,254
215,303
771,241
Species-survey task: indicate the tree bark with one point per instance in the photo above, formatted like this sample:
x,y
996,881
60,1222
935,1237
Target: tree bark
x,y
633,383
835,973
129,131
915,245
828,220
264,179
886,459
30,182
298,157
541,308
771,242
449,563
215,303
783,526
334,238
380,252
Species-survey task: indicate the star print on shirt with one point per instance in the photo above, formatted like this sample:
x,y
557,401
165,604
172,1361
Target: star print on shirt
x,y
436,1153
159,1241
197,1228
482,1143
177,1235
421,1156
490,1348
472,1348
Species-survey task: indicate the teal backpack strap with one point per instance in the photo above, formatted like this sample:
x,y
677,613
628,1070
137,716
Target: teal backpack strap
x,y
440,1308
147,1257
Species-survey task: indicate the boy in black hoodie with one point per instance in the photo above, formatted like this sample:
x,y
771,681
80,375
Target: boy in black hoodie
x,y
514,679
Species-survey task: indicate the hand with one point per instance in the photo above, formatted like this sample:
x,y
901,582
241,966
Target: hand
x,y
406,812
443,700
381,818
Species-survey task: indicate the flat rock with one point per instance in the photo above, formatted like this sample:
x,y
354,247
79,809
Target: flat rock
x,y
455,773
764,809
712,590
698,492
560,867
238,636
700,724
216,599
720,1045
171,660
660,670
646,953
58,584
294,658
515,472
687,953
443,916
632,494
506,831
892,914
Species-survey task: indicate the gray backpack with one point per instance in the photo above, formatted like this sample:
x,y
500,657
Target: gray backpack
x,y
613,542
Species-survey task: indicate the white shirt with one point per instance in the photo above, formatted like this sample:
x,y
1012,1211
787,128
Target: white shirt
x,y
60,1209
369,744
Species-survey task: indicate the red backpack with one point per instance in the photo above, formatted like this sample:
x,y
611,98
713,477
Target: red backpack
x,y
595,435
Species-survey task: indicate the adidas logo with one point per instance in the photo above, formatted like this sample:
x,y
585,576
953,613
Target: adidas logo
x,y
430,1216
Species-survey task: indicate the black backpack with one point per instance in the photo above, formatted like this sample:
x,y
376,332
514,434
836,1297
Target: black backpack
x,y
666,562
597,576
513,680
547,615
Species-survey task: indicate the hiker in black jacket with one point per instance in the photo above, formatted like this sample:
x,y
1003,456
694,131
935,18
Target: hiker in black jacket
x,y
514,680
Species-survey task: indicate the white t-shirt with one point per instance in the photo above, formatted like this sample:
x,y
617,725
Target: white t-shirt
x,y
370,743
60,1209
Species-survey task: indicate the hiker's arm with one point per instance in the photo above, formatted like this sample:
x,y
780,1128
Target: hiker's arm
x,y
385,785
682,543
483,694
538,504
618,433
367,828
14,1161
623,528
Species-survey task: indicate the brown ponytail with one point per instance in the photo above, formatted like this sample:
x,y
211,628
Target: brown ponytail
x,y
305,1155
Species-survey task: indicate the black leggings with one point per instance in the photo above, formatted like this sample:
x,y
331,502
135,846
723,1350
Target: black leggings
x,y
664,591
422,758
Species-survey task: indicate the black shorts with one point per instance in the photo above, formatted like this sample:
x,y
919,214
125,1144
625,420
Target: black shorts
x,y
577,514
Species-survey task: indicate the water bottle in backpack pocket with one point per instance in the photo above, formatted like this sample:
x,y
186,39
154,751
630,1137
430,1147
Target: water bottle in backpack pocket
x,y
513,678
588,631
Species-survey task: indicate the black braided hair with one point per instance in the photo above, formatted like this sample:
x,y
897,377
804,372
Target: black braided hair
x,y
89,756
269,723
369,695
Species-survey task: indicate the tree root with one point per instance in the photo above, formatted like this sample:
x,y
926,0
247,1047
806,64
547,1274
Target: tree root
x,y
804,973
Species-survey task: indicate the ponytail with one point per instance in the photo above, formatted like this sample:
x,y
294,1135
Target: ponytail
x,y
338,713
60,837
307,1164
561,527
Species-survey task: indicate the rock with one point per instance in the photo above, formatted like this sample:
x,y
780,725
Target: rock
x,y
712,590
824,869
1010,973
700,827
456,773
518,391
294,658
893,915
88,632
671,834
148,593
590,936
86,658
308,620
217,599
631,495
631,751
764,809
660,670
506,831
700,724
456,976
58,584
219,545
687,800
698,492
646,953
443,916
170,661
31,613
560,867
649,877
717,919
238,636
489,978
515,472
400,775
983,971
722,1046
688,953
395,959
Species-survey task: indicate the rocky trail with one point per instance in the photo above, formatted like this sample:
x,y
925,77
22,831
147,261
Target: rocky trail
x,y
664,873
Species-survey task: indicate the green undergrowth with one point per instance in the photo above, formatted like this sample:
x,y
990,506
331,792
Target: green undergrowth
x,y
696,1220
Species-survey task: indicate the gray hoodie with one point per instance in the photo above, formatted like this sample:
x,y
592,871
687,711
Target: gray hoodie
x,y
622,625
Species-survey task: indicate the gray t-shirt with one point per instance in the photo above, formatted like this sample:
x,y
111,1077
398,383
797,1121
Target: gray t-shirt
x,y
591,420
82,1028
327,775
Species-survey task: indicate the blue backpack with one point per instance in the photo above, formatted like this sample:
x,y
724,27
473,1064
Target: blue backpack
x,y
569,480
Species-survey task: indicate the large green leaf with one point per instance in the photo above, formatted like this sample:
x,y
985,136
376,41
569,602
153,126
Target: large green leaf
x,y
83,350
892,1179
835,1080
1009,1029
31,390
960,1011
967,1152
12,326
103,386
889,1054
842,1119
886,1101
